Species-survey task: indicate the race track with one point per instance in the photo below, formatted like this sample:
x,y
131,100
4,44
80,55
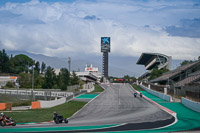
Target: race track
x,y
117,105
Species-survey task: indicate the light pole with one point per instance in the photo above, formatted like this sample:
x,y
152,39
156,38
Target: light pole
x,y
32,84
33,79
69,63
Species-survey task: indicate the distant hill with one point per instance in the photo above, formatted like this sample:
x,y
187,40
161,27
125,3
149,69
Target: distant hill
x,y
118,66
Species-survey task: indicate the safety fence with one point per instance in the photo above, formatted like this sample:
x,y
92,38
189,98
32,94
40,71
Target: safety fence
x,y
36,93
159,88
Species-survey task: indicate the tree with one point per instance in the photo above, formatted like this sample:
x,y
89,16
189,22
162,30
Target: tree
x,y
64,79
10,85
43,67
21,63
39,81
186,62
126,78
37,67
25,80
75,79
157,73
4,62
50,78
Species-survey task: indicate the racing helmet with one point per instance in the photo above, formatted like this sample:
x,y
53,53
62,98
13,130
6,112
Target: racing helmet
x,y
2,114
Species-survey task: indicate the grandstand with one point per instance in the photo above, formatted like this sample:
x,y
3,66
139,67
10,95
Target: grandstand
x,y
182,81
154,60
179,75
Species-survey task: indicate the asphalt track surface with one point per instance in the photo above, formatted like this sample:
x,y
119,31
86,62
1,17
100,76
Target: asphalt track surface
x,y
116,105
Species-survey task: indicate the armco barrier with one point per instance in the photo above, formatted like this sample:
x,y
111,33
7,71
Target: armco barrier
x,y
48,104
191,104
35,105
158,94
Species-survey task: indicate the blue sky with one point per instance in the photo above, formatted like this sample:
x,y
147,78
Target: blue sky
x,y
70,27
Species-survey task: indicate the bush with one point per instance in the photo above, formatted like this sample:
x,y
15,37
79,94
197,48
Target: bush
x,y
10,85
22,103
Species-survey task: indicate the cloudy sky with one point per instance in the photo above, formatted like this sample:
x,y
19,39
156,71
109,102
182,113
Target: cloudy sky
x,y
74,27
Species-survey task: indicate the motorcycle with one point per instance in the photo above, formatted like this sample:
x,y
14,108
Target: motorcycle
x,y
60,119
141,95
135,94
7,121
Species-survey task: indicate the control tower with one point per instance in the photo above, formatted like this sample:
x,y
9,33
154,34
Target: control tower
x,y
105,48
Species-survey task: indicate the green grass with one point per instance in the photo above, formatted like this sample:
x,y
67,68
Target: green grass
x,y
137,87
97,89
42,115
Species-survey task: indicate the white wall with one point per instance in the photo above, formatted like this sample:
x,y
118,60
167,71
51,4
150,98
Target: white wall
x,y
191,104
48,104
89,87
158,94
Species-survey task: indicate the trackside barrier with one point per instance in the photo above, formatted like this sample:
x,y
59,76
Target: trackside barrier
x,y
49,104
35,105
158,94
191,104
2,106
89,87
5,106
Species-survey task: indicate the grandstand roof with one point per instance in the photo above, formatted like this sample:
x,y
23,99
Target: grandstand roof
x,y
173,73
145,57
152,60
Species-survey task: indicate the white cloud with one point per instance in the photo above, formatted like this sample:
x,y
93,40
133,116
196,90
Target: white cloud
x,y
59,29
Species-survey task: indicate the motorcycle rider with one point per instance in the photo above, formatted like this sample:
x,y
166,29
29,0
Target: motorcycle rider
x,y
55,114
140,94
5,117
135,94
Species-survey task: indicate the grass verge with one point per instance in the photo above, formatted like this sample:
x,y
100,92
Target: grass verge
x,y
137,87
42,115
97,88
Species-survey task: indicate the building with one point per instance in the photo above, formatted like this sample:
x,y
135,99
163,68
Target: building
x,y
154,60
179,74
5,79
91,74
